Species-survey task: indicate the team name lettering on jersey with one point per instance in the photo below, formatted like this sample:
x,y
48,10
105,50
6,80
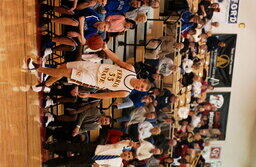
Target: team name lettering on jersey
x,y
103,75
118,78
114,77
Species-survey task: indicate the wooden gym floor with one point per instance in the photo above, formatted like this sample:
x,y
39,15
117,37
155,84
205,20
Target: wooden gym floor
x,y
20,136
20,144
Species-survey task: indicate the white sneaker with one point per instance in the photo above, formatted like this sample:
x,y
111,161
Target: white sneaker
x,y
48,103
43,77
28,66
45,89
50,118
47,52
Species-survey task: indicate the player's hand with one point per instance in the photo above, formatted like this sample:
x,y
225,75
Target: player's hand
x,y
105,46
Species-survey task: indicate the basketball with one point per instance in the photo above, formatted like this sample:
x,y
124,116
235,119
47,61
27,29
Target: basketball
x,y
95,42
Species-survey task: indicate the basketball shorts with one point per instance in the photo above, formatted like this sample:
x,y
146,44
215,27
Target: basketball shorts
x,y
84,72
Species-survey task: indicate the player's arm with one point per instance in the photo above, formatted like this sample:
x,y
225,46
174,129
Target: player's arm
x,y
105,95
114,57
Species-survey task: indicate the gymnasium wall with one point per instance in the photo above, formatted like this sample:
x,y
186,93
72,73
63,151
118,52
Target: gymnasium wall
x,y
239,148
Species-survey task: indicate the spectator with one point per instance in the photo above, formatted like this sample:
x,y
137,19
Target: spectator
x,y
214,43
147,150
138,115
118,23
136,99
91,154
164,98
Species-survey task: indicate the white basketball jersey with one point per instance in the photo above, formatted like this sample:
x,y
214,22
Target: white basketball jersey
x,y
115,78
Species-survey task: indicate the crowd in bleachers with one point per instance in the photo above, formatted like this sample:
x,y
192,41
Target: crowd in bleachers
x,y
155,129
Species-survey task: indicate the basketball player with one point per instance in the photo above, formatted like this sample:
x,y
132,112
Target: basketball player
x,y
120,78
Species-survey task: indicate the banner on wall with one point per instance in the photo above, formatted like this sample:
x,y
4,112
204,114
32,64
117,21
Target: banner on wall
x,y
212,155
233,11
215,152
228,11
218,119
222,62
